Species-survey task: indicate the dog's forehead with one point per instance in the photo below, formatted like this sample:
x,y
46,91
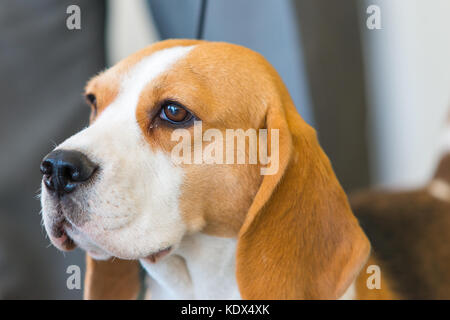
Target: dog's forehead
x,y
130,75
161,54
190,71
207,58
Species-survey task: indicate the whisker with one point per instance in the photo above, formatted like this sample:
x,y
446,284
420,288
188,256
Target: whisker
x,y
54,143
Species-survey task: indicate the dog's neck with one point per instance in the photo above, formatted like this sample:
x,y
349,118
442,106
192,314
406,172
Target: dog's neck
x,y
202,267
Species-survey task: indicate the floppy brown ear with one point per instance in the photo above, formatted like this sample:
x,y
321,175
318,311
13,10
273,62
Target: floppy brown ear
x,y
111,279
300,239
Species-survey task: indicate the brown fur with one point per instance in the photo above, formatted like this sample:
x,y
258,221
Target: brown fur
x,y
443,169
300,239
112,279
409,232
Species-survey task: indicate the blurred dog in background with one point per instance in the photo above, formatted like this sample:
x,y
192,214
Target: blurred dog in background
x,y
410,233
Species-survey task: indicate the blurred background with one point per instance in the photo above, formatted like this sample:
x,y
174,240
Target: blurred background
x,y
378,97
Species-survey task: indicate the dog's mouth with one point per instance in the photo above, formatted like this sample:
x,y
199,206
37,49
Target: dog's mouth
x,y
155,257
60,238
65,243
66,235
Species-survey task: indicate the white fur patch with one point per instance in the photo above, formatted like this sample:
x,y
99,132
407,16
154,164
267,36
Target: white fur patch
x,y
202,267
132,203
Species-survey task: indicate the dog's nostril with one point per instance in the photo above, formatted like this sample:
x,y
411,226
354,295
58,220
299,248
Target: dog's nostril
x,y
46,167
48,181
69,171
64,169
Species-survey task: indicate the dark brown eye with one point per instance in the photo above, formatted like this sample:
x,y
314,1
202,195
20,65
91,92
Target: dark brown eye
x,y
175,114
92,99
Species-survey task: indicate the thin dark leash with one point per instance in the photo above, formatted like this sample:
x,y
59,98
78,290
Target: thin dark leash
x,y
201,21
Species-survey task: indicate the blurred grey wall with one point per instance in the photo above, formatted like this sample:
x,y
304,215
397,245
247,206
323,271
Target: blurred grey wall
x,y
43,68
408,86
335,70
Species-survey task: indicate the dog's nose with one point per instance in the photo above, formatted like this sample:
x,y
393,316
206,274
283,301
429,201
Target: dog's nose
x,y
63,170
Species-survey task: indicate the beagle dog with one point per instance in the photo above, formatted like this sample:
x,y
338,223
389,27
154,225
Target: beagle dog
x,y
201,231
409,232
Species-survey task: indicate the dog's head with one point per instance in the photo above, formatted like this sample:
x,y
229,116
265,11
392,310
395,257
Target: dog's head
x,y
116,190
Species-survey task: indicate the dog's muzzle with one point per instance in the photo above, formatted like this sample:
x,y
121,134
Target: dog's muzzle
x,y
63,172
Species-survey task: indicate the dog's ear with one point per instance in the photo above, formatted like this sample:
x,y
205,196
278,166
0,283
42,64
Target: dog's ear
x,y
300,239
111,279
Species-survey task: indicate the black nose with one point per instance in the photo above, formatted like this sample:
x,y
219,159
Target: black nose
x,y
63,170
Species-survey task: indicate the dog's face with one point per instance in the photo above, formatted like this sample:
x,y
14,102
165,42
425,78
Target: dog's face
x,y
116,189
125,196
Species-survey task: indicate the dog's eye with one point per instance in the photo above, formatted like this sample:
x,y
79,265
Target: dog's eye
x,y
92,99
175,113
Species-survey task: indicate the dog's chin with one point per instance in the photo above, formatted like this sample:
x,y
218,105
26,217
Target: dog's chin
x,y
99,255
82,241
66,237
69,237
